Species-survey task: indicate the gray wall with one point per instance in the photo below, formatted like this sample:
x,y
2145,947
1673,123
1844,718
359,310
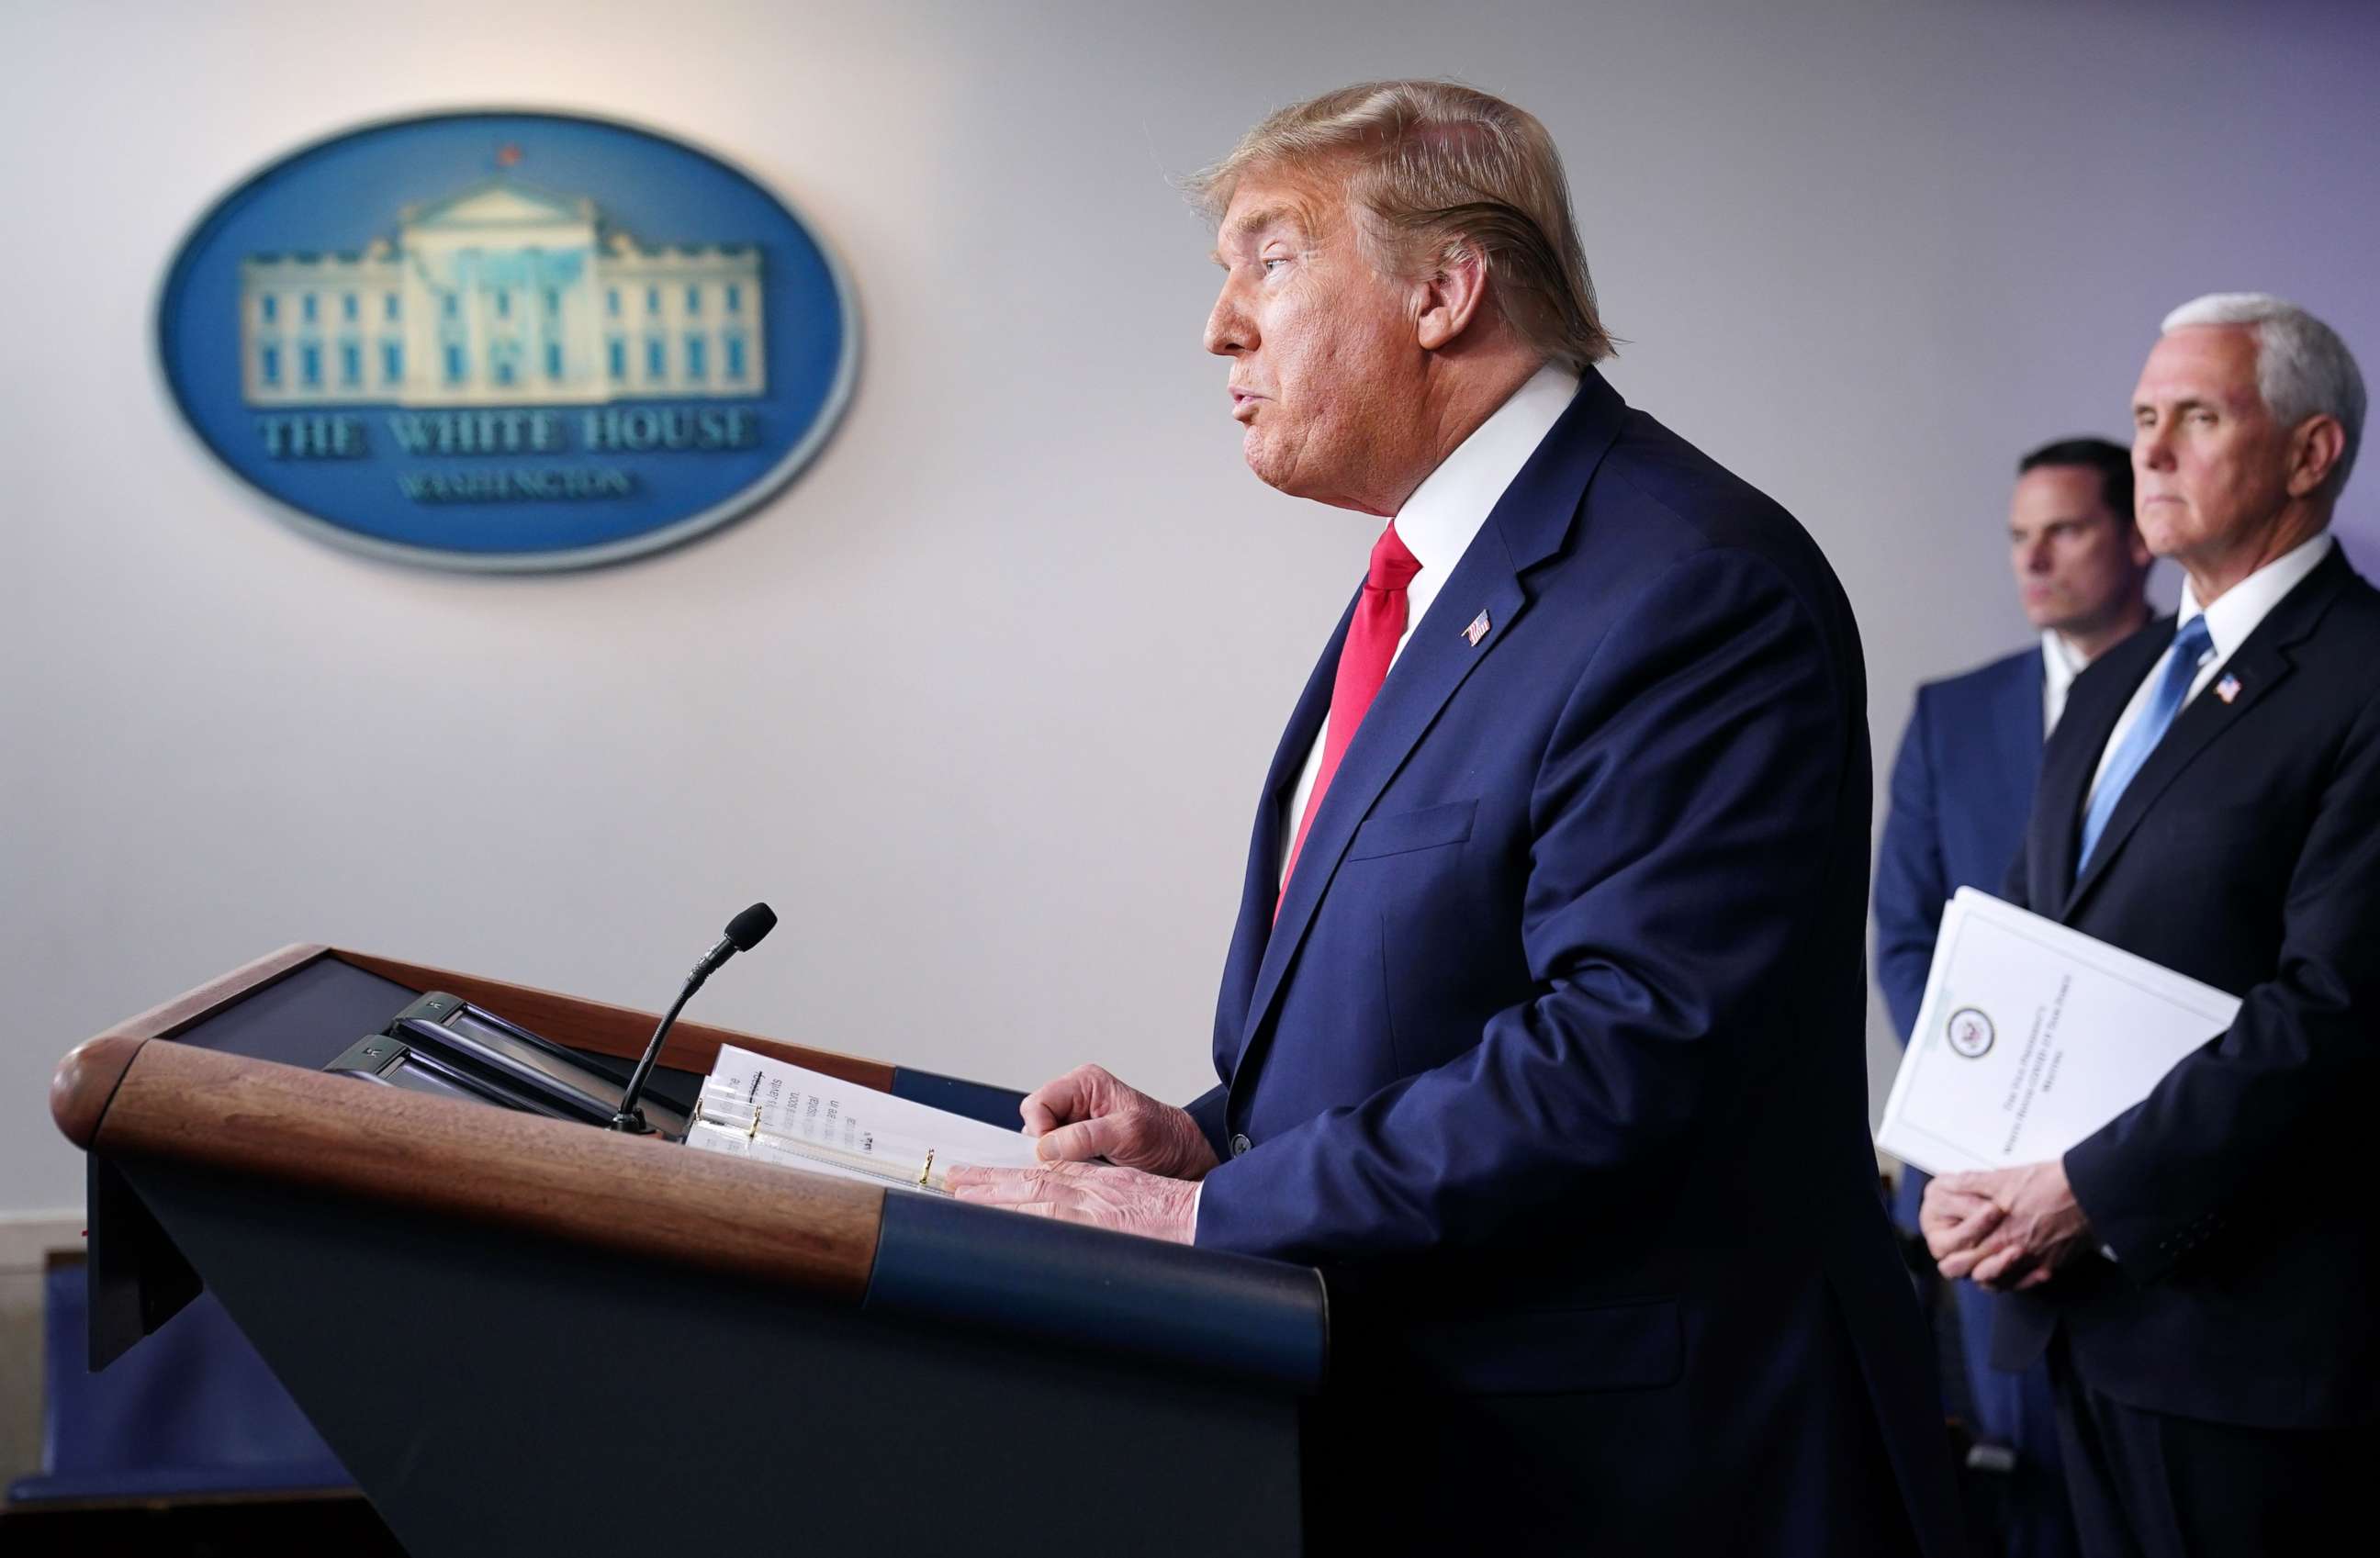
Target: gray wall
x,y
926,701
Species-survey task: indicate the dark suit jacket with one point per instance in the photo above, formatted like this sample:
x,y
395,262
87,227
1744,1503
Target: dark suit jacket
x,y
1554,1054
1961,789
2245,853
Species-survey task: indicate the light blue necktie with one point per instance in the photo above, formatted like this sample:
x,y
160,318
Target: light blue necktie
x,y
2191,646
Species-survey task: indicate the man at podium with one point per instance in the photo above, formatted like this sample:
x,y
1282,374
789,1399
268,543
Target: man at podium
x,y
1541,1029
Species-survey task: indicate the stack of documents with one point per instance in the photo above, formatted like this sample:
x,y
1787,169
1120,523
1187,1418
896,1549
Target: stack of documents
x,y
2032,1036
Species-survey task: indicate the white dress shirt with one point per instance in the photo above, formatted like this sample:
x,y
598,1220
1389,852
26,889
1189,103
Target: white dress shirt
x,y
2229,623
1445,512
2061,664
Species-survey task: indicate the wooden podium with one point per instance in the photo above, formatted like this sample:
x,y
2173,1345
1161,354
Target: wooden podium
x,y
521,1334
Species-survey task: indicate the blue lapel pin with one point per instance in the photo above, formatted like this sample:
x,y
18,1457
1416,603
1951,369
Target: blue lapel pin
x,y
2227,689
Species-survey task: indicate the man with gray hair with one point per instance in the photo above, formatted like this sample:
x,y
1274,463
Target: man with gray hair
x,y
2203,1274
1541,1026
1961,790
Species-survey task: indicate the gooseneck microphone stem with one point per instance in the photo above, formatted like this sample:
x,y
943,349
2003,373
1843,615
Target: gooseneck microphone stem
x,y
744,933
630,1118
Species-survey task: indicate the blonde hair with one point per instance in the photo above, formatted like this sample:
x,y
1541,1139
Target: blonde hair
x,y
1436,172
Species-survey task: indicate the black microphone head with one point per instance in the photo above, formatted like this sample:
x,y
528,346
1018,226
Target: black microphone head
x,y
747,929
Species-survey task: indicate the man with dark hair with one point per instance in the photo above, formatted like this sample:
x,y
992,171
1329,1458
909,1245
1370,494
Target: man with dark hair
x,y
1961,789
2115,466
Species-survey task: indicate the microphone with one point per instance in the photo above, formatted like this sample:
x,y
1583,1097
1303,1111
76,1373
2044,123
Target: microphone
x,y
744,933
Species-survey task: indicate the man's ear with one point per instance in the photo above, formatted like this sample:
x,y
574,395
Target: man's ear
x,y
1451,298
2314,450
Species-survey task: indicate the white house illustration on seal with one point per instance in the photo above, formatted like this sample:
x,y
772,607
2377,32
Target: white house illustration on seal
x,y
501,295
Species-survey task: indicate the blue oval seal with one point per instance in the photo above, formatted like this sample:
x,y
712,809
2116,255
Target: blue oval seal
x,y
506,340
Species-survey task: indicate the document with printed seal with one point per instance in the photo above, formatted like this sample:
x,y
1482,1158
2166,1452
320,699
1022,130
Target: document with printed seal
x,y
2032,1036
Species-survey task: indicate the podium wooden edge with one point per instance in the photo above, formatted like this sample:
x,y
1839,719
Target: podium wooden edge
x,y
621,1032
119,1094
636,1196
134,1095
616,1031
85,1083
189,1008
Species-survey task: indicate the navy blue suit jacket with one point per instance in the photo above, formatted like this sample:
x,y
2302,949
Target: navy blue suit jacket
x,y
1962,790
2245,853
1553,1057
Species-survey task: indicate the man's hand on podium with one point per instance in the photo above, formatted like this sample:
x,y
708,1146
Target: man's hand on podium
x,y
1089,1114
1154,1153
1100,1195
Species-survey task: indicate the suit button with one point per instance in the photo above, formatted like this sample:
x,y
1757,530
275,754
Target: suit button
x,y
1240,1144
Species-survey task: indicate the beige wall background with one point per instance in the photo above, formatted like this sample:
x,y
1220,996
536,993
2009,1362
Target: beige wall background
x,y
933,702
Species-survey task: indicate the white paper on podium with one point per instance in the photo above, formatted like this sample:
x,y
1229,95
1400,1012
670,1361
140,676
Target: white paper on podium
x,y
759,1107
2032,1036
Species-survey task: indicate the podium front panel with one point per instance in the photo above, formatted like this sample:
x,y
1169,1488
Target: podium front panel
x,y
496,1395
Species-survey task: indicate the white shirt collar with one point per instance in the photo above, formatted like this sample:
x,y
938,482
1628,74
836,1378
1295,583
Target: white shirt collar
x,y
1447,510
2236,615
2059,666
2059,663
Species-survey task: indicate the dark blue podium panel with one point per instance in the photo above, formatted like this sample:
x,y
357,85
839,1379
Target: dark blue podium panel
x,y
306,1019
494,1393
977,1101
193,1412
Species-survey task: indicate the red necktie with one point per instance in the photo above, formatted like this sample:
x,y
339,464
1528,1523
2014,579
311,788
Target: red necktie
x,y
1372,635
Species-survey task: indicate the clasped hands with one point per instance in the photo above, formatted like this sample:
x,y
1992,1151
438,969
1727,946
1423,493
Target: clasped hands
x,y
2007,1228
1155,1157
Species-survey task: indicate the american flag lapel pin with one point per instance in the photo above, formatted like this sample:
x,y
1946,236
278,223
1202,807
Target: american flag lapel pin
x,y
1477,630
2227,689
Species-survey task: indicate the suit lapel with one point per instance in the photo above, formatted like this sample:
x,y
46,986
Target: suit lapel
x,y
2253,671
2258,667
1434,662
2091,709
2017,734
1529,523
1260,890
